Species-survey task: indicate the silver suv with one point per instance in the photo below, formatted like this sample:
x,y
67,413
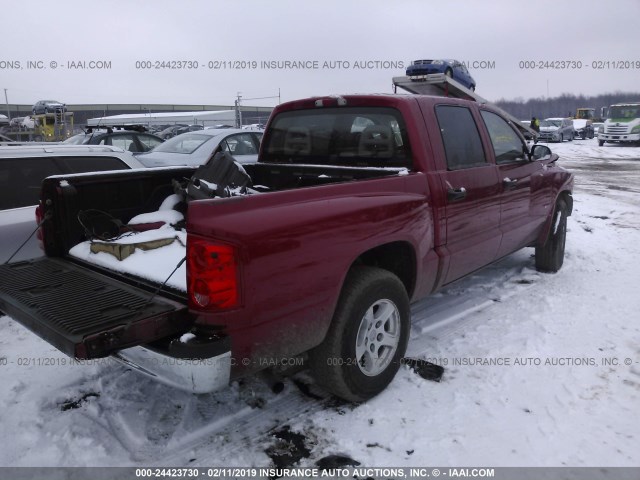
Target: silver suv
x,y
556,130
22,170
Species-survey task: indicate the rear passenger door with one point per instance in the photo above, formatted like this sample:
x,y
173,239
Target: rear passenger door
x,y
470,183
516,173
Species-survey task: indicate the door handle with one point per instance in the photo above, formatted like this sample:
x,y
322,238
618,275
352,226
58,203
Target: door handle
x,y
455,194
509,184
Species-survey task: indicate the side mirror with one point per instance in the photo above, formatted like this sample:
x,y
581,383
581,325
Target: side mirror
x,y
539,151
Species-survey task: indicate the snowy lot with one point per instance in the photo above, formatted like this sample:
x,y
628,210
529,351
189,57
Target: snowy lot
x,y
540,370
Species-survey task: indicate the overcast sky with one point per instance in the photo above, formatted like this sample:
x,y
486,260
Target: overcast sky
x,y
494,35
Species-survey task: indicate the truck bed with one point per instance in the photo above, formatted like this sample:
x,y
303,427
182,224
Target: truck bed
x,y
89,311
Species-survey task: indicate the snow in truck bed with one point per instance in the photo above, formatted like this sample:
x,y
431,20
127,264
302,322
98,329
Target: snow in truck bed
x,y
155,265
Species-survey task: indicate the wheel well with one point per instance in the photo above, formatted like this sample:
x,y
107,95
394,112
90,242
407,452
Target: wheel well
x,y
398,257
568,199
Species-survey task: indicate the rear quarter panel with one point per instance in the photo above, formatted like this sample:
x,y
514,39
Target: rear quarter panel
x,y
296,248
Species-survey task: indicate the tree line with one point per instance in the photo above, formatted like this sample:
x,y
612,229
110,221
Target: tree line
x,y
563,106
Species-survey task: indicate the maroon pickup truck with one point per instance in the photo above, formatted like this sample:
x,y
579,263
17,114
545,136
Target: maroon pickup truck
x,y
357,206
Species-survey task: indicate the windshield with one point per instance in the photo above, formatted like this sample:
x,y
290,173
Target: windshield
x,y
550,123
349,136
186,143
624,111
76,139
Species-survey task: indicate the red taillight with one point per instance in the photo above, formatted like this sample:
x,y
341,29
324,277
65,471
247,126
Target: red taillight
x,y
212,275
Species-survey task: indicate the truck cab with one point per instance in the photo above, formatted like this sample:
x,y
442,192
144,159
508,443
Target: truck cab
x,y
622,124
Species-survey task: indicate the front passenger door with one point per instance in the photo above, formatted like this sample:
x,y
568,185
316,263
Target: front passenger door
x,y
516,173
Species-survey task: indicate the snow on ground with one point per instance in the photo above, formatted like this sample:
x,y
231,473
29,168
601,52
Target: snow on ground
x,y
540,369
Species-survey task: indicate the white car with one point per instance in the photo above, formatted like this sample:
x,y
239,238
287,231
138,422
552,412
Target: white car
x,y
195,148
22,170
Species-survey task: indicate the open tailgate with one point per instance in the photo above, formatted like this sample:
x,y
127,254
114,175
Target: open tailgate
x,y
82,312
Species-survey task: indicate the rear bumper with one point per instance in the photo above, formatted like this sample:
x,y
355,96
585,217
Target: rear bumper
x,y
179,365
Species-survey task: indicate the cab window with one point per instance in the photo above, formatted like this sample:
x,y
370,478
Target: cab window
x,y
20,180
462,144
507,145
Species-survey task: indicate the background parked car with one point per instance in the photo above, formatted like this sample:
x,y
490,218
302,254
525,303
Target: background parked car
x,y
452,68
170,131
189,128
195,148
133,141
48,106
22,170
556,130
583,129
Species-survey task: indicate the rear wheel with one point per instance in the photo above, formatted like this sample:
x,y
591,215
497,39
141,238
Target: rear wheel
x,y
550,256
367,338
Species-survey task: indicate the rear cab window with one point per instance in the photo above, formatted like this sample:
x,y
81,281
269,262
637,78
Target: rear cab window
x,y
344,136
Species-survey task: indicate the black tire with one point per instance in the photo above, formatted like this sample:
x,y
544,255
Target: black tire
x,y
550,256
600,143
449,73
334,363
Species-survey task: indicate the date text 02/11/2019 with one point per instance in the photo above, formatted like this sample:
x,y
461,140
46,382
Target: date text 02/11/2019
x,y
579,64
268,65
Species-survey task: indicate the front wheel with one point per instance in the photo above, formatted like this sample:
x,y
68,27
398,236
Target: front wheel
x,y
550,256
600,143
367,338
